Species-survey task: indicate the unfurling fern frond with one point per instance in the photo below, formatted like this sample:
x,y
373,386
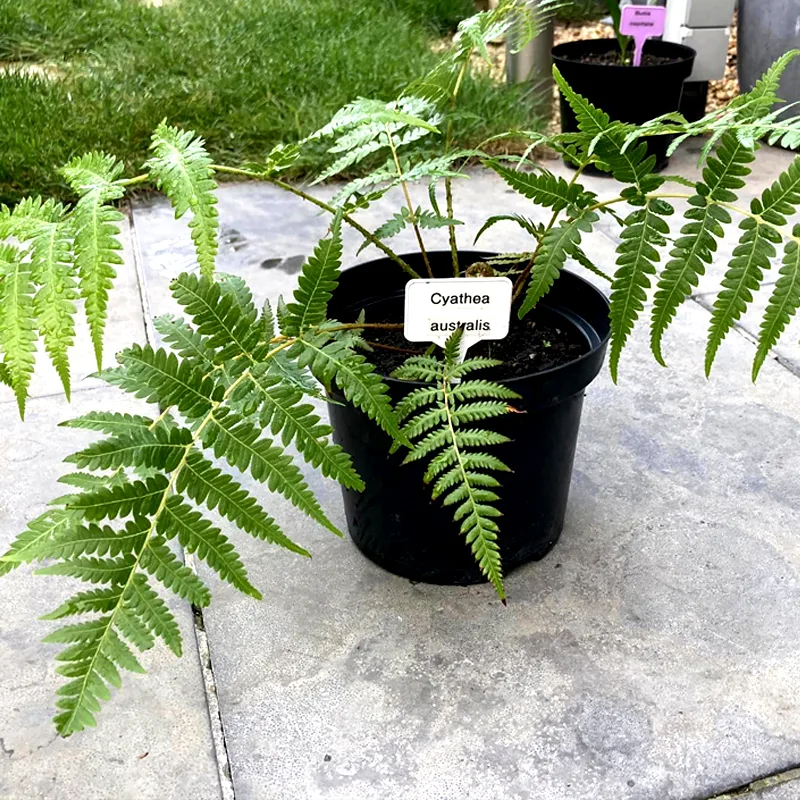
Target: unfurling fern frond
x,y
182,170
438,420
645,230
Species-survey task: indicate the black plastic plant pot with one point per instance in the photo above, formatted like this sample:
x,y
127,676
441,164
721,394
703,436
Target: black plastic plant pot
x,y
625,93
394,521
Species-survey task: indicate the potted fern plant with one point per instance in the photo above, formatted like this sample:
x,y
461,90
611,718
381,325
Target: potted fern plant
x,y
602,71
230,387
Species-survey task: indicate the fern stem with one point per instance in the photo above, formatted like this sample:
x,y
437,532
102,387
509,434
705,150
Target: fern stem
x,y
760,220
137,181
448,182
325,207
389,326
655,196
451,229
411,215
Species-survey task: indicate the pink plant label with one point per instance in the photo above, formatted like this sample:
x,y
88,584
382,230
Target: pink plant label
x,y
642,22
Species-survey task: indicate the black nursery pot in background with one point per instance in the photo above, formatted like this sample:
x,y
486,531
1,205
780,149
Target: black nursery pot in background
x,y
626,94
394,522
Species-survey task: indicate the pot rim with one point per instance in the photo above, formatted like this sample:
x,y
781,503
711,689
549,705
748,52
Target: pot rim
x,y
686,53
590,353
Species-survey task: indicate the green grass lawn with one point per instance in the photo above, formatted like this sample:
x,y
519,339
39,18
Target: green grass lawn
x,y
245,74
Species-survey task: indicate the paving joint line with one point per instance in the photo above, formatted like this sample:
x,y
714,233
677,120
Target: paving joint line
x,y
759,785
224,774
786,363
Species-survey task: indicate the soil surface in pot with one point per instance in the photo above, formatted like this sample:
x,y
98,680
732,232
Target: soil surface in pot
x,y
543,340
611,59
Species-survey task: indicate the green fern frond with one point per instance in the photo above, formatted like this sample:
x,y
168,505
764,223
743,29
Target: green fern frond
x,y
197,535
181,167
208,485
161,376
694,249
427,220
145,604
42,228
316,283
100,601
18,324
751,258
331,361
160,562
227,323
96,540
783,303
51,525
111,422
280,410
645,230
185,341
95,226
162,448
435,419
535,229
556,246
140,498
239,442
544,188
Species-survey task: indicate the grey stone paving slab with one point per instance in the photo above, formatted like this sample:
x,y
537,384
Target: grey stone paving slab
x,y
787,791
124,326
153,740
652,656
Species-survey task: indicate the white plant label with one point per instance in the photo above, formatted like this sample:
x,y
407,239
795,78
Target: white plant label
x,y
435,307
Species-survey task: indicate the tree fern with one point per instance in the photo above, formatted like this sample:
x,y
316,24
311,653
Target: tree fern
x,y
181,167
437,421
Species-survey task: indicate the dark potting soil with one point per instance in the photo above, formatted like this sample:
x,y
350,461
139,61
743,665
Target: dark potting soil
x,y
611,59
543,340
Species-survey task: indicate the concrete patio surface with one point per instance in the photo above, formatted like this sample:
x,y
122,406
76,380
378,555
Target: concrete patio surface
x,y
653,655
